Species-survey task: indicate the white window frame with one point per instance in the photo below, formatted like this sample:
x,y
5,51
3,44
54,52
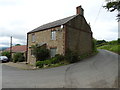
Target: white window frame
x,y
53,35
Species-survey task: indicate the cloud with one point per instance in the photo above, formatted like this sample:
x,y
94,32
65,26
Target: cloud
x,y
5,41
9,2
18,33
21,16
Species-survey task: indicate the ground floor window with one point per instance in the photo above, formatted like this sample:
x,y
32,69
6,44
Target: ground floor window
x,y
32,52
53,52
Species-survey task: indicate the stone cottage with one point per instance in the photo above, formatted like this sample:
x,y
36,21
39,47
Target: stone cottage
x,y
18,49
72,33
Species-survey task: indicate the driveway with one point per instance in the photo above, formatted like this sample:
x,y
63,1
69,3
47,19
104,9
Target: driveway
x,y
99,71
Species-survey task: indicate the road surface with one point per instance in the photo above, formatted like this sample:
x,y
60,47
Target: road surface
x,y
99,71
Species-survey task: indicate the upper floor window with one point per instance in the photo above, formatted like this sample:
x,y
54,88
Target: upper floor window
x,y
53,35
33,37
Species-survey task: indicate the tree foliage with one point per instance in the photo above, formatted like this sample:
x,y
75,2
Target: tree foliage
x,y
41,53
112,6
94,49
6,53
18,57
18,45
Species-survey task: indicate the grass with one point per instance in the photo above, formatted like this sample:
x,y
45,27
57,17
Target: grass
x,y
113,48
64,62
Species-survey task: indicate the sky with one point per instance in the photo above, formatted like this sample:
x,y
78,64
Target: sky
x,y
17,17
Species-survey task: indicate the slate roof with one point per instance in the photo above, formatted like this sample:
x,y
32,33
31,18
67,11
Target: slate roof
x,y
22,48
53,24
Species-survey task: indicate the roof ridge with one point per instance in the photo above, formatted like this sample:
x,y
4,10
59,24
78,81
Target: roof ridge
x,y
53,24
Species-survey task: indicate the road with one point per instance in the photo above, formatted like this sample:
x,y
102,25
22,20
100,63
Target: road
x,y
99,71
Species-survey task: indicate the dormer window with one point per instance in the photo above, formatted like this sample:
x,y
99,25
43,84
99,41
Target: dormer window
x,y
53,35
33,37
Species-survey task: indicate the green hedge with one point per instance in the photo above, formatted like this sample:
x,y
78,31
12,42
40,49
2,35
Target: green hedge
x,y
18,57
58,58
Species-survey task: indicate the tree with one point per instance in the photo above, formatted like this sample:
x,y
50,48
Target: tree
x,y
100,42
18,57
118,40
18,45
112,6
6,53
41,53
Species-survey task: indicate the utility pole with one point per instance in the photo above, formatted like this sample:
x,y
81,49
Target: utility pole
x,y
11,48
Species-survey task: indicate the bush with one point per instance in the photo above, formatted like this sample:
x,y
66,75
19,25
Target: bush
x,y
71,56
21,58
94,49
114,42
40,64
47,62
58,58
18,57
118,40
41,53
6,54
54,60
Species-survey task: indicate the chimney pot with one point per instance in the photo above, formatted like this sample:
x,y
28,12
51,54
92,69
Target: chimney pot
x,y
79,10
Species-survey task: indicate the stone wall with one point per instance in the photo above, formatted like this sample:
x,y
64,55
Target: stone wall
x,y
79,35
45,37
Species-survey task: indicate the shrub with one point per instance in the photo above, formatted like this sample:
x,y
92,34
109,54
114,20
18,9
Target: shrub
x,y
71,56
94,49
118,40
47,62
18,57
40,64
54,60
100,42
60,57
41,53
21,58
114,42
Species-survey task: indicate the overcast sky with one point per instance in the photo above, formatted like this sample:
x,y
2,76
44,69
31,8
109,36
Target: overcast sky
x,y
17,17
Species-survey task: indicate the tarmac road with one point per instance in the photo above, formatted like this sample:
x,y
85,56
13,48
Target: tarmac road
x,y
99,71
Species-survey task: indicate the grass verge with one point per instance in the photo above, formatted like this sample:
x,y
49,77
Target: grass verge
x,y
113,48
65,62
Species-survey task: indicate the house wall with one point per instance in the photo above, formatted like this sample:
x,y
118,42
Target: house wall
x,y
45,37
79,35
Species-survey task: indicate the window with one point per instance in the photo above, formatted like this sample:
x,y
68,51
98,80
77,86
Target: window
x,y
32,52
53,35
33,37
53,52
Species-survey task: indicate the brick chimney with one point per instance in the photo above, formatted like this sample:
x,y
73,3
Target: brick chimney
x,y
79,10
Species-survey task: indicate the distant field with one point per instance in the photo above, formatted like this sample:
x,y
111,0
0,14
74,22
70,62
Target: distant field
x,y
113,48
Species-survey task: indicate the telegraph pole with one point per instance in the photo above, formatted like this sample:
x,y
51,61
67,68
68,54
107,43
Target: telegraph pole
x,y
11,48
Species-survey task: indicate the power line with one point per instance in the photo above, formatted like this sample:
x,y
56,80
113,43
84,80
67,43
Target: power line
x,y
98,14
